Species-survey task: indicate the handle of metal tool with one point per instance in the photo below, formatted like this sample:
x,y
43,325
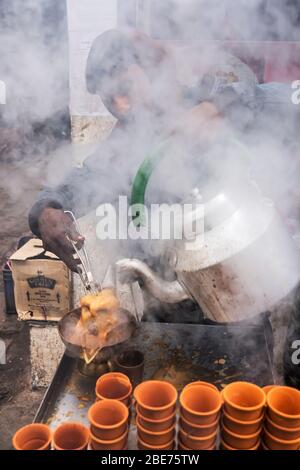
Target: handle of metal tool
x,y
85,272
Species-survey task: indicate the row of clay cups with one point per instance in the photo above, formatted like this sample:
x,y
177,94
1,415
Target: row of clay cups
x,y
243,416
282,419
38,436
155,403
200,406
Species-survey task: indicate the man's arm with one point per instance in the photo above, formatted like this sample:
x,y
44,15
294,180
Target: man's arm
x,y
82,190
67,196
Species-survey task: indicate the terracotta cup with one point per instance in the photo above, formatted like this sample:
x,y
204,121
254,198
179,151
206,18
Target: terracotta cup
x,y
196,429
71,436
144,446
131,363
183,447
197,443
288,434
113,444
225,446
109,375
200,382
244,401
155,438
239,441
200,404
284,406
273,443
156,425
35,436
114,388
156,399
109,419
242,427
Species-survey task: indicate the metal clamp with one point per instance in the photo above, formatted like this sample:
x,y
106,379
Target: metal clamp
x,y
85,270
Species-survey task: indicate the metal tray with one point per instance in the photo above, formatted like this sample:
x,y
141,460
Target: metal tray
x,y
217,354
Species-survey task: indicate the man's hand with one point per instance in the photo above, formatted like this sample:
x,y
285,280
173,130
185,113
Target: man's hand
x,y
55,226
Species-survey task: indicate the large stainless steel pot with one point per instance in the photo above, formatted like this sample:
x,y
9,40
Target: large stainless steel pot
x,y
242,263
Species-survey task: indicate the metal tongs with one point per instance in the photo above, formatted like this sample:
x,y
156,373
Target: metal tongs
x,y
85,270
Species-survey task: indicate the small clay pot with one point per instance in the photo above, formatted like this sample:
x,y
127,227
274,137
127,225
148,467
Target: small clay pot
x,y
131,363
155,438
197,443
200,382
287,434
198,430
144,446
200,404
156,399
243,428
273,443
156,425
35,436
244,401
114,388
183,447
284,406
109,419
71,436
114,444
224,446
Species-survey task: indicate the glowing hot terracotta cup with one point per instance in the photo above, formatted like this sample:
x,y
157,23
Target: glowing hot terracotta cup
x,y
35,436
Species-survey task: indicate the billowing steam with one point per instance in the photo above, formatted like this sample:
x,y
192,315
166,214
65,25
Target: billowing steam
x,y
166,79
